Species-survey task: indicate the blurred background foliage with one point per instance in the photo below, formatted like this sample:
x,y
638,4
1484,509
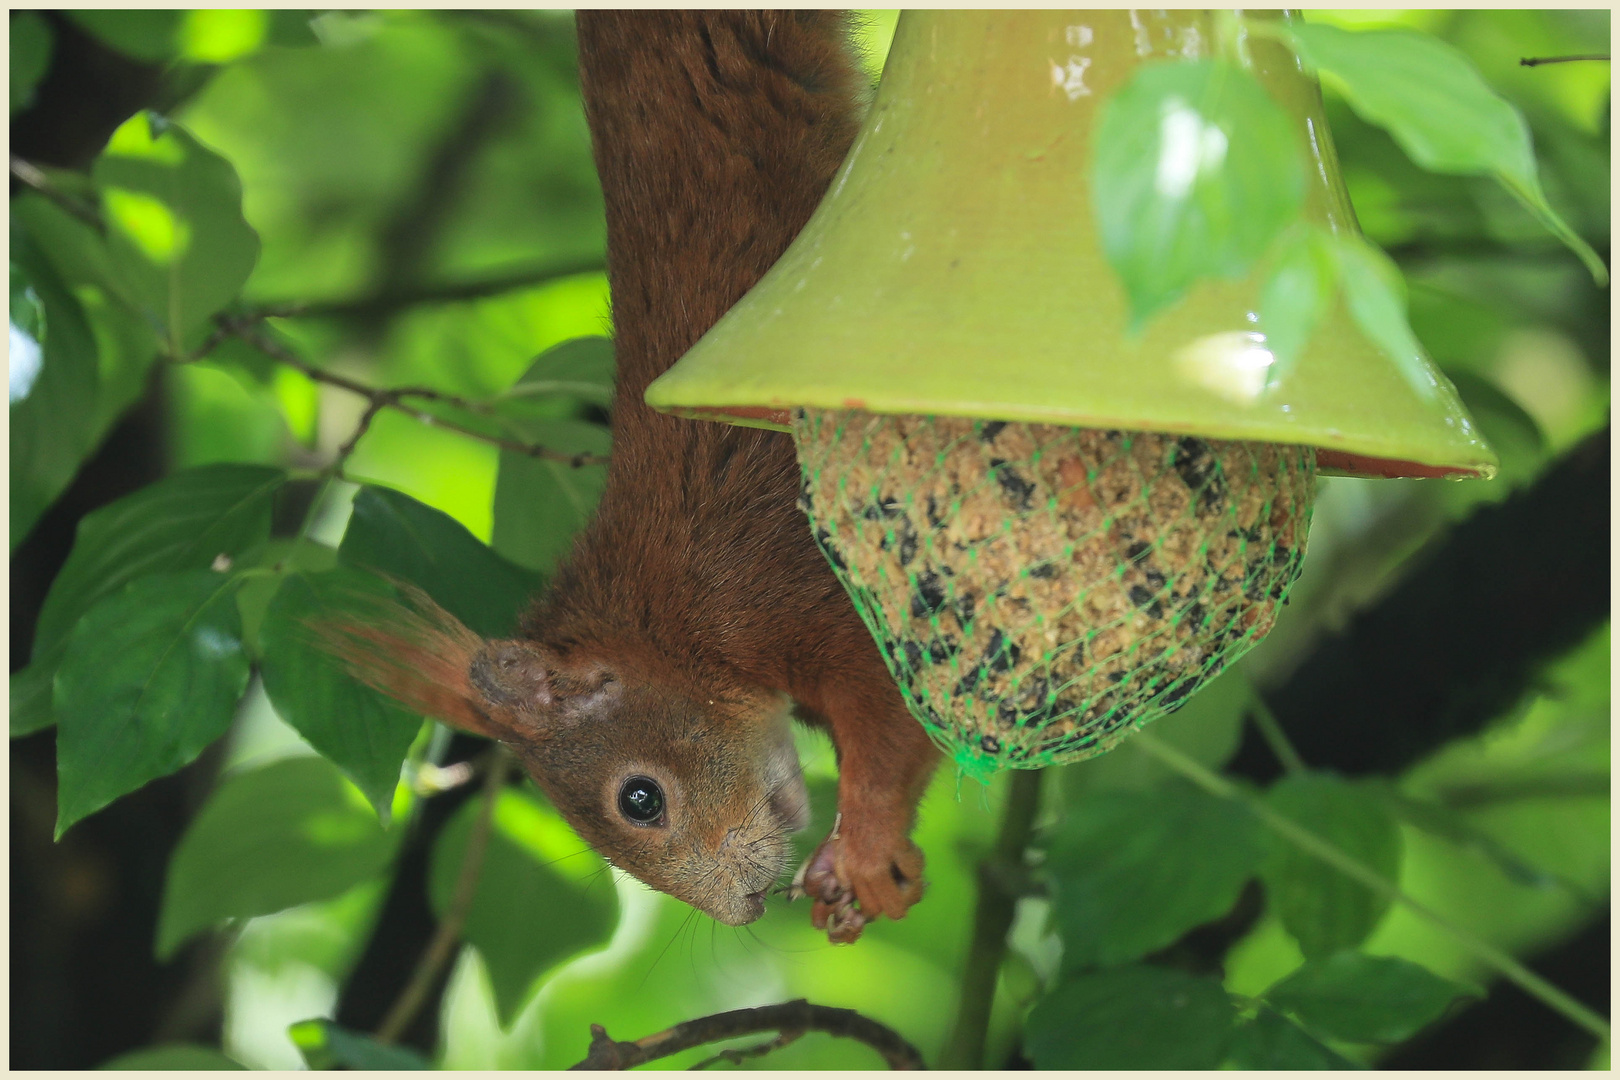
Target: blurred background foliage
x,y
427,214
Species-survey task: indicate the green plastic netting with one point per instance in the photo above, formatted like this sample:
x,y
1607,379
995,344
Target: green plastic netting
x,y
1038,591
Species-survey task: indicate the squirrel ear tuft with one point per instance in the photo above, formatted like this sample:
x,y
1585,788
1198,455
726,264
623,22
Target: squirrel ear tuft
x,y
415,652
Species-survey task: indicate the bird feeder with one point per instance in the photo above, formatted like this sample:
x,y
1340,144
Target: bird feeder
x,y
1056,525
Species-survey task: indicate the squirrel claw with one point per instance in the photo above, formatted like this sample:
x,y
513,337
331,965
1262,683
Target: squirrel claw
x,y
849,890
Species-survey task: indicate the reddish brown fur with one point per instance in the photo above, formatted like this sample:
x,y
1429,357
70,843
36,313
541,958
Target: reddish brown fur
x,y
715,136
698,582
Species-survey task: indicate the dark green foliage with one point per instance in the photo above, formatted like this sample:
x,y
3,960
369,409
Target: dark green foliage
x,y
53,372
151,675
536,875
393,534
1131,1018
1134,870
1360,998
1324,910
289,833
184,522
1271,1042
362,732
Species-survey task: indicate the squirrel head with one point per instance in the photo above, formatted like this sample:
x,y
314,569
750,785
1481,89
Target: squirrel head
x,y
695,793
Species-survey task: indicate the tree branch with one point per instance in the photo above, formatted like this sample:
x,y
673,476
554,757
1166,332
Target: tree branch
x,y
448,935
36,178
1003,878
246,327
1492,600
790,1017
384,303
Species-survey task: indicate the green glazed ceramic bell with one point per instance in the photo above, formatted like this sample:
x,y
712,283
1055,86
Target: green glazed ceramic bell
x,y
1057,527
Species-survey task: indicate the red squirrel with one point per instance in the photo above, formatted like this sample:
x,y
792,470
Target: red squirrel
x,y
650,691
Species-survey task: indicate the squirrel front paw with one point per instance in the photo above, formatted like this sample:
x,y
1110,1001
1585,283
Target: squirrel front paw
x,y
852,879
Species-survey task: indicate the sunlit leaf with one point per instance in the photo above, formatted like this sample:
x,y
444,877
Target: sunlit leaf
x,y
364,733
150,677
175,234
392,533
1131,1018
1440,110
1134,870
1195,171
534,863
1323,909
289,833
540,504
1360,998
1270,1041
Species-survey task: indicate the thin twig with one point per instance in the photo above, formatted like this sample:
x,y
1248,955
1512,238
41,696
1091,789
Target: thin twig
x,y
521,277
1353,868
1537,61
790,1016
36,178
1266,722
1003,879
448,935
246,327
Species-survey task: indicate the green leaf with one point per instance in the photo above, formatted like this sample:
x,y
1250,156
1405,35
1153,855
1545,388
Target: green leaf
x,y
30,56
534,863
31,709
1323,909
280,555
325,1045
1195,171
54,385
1137,869
182,522
540,505
175,231
1131,1018
1375,294
1360,998
150,677
580,368
364,733
1433,102
289,833
142,35
175,1057
1294,297
392,533
1271,1042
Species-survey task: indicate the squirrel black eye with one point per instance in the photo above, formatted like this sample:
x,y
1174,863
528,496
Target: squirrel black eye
x,y
641,800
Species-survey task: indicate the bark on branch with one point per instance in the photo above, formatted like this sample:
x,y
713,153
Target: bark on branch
x,y
791,1018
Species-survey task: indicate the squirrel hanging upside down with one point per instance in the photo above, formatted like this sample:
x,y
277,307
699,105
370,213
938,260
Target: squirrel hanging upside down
x,y
650,692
